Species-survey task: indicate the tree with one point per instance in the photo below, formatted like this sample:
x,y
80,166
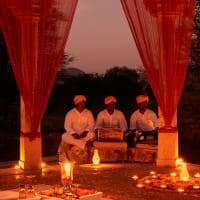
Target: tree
x,y
121,80
192,78
194,63
66,60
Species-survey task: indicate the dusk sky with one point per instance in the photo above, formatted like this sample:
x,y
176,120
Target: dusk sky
x,y
100,37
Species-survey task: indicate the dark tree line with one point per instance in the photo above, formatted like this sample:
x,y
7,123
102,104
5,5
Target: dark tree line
x,y
194,64
122,82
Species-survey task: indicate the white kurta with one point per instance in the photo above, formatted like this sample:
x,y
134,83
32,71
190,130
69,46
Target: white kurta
x,y
76,122
144,122
115,120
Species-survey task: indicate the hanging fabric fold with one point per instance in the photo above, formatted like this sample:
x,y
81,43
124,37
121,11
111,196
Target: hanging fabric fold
x,y
162,32
36,32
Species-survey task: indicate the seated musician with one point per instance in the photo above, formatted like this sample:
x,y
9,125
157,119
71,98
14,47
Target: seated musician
x,y
144,121
111,119
79,124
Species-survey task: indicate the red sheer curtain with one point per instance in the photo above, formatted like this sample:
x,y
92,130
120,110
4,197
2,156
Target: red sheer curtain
x,y
162,31
36,32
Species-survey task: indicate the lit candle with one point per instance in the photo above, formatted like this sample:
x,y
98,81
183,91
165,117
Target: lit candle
x,y
96,158
183,171
184,175
179,161
197,175
154,176
139,185
173,174
147,181
152,172
196,187
17,177
66,176
43,173
43,164
16,167
135,177
67,171
180,190
67,168
163,186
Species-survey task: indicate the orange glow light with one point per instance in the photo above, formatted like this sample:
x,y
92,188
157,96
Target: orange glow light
x,y
96,158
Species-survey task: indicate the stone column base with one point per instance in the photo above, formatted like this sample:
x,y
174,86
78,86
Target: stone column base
x,y
167,149
166,162
30,153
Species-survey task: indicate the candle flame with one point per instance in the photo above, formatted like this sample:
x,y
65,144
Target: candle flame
x,y
197,175
154,176
152,172
196,187
67,167
147,181
140,185
17,177
66,172
179,161
180,190
16,167
173,174
135,177
43,164
163,186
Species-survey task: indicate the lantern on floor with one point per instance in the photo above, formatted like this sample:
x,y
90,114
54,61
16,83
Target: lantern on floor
x,y
66,176
96,158
182,168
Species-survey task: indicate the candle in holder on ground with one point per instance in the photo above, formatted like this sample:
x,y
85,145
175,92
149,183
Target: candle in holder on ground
x,y
66,174
96,158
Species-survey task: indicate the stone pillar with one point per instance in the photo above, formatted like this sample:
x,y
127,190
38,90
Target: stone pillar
x,y
30,150
167,143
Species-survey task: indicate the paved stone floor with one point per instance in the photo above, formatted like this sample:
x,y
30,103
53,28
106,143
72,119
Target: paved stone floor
x,y
114,180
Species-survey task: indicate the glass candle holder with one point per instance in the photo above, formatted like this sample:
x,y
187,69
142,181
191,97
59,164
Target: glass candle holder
x,y
66,176
96,158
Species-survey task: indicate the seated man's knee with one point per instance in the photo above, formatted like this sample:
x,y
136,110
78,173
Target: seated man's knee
x,y
63,137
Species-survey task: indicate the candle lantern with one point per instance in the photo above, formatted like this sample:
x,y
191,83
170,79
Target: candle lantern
x,y
96,158
66,176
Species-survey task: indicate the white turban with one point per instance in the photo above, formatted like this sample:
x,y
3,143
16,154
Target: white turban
x,y
79,99
110,99
142,98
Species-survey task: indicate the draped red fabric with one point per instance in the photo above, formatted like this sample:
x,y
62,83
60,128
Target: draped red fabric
x,y
36,32
162,32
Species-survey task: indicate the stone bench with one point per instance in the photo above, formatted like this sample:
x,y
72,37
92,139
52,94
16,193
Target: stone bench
x,y
143,153
111,151
74,154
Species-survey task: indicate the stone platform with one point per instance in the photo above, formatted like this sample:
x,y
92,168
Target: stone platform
x,y
114,180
